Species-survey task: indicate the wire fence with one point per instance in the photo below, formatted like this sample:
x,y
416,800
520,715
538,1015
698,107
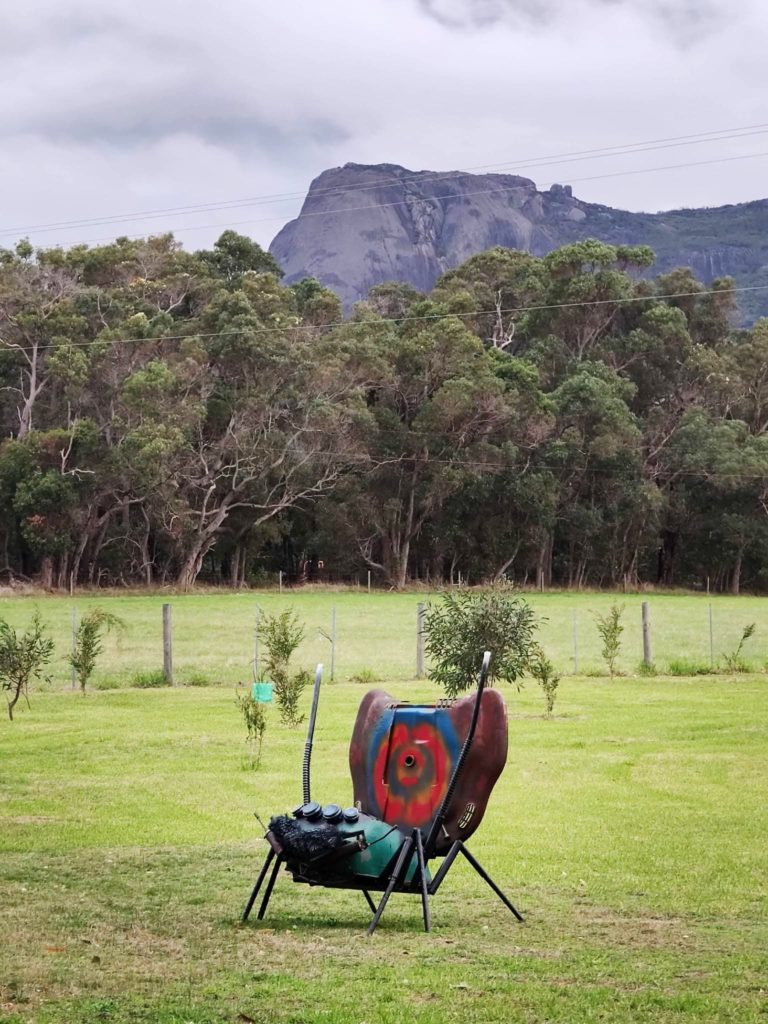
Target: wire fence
x,y
210,639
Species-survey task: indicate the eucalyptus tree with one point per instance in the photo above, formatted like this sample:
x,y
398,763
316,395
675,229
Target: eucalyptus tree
x,y
435,409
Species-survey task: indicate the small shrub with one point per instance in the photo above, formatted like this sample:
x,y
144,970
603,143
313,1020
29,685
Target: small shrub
x,y
288,688
281,635
689,667
466,624
22,658
365,676
89,642
255,718
734,662
610,629
198,679
543,671
150,680
108,683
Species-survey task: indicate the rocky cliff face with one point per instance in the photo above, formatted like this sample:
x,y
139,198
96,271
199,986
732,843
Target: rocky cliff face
x,y
364,224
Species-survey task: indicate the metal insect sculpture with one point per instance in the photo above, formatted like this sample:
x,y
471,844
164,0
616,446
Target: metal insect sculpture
x,y
422,775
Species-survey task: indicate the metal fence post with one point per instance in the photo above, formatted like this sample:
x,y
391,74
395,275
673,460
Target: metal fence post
x,y
256,645
711,638
333,640
420,611
167,644
369,581
280,581
575,643
74,646
647,655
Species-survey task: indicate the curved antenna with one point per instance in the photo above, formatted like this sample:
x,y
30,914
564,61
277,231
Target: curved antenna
x,y
442,812
305,774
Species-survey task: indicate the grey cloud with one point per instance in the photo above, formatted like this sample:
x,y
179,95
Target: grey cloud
x,y
127,83
60,28
144,121
110,108
482,13
685,20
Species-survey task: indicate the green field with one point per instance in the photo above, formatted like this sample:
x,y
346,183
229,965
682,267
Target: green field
x,y
630,829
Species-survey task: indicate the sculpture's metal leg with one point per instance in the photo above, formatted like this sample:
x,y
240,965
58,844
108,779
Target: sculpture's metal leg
x,y
487,878
444,868
371,904
400,867
270,886
259,880
422,878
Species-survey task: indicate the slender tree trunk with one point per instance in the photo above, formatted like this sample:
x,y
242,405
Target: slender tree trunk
x,y
400,575
234,567
146,561
25,417
78,555
191,566
61,576
46,573
667,552
17,689
505,565
736,574
97,546
544,566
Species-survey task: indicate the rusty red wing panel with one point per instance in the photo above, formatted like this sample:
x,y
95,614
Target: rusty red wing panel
x,y
402,755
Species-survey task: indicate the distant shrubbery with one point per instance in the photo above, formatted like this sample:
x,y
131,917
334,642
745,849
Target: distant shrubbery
x,y
149,680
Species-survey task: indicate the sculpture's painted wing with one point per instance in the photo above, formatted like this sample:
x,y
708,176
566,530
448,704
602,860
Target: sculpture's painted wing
x,y
402,756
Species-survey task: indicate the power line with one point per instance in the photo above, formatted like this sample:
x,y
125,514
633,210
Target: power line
x,y
388,459
625,149
430,199
404,319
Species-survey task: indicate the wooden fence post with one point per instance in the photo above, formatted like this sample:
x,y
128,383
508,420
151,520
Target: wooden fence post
x,y
167,644
647,654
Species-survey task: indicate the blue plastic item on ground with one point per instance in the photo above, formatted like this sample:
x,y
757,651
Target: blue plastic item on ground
x,y
262,692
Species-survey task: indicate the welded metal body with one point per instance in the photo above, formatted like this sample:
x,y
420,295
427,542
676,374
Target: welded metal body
x,y
422,776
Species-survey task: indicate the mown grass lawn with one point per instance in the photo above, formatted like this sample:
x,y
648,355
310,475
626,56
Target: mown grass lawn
x,y
631,831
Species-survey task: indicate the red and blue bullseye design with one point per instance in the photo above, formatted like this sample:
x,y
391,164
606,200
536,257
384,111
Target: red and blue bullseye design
x,y
409,762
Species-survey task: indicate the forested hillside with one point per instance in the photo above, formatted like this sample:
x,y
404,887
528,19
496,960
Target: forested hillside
x,y
171,416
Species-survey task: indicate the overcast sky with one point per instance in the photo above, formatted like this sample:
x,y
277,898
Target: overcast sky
x,y
110,109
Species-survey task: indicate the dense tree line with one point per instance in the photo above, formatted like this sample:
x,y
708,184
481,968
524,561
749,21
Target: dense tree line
x,y
171,416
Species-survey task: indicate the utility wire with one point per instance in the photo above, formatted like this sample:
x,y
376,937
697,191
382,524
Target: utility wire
x,y
390,459
721,135
400,320
436,199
